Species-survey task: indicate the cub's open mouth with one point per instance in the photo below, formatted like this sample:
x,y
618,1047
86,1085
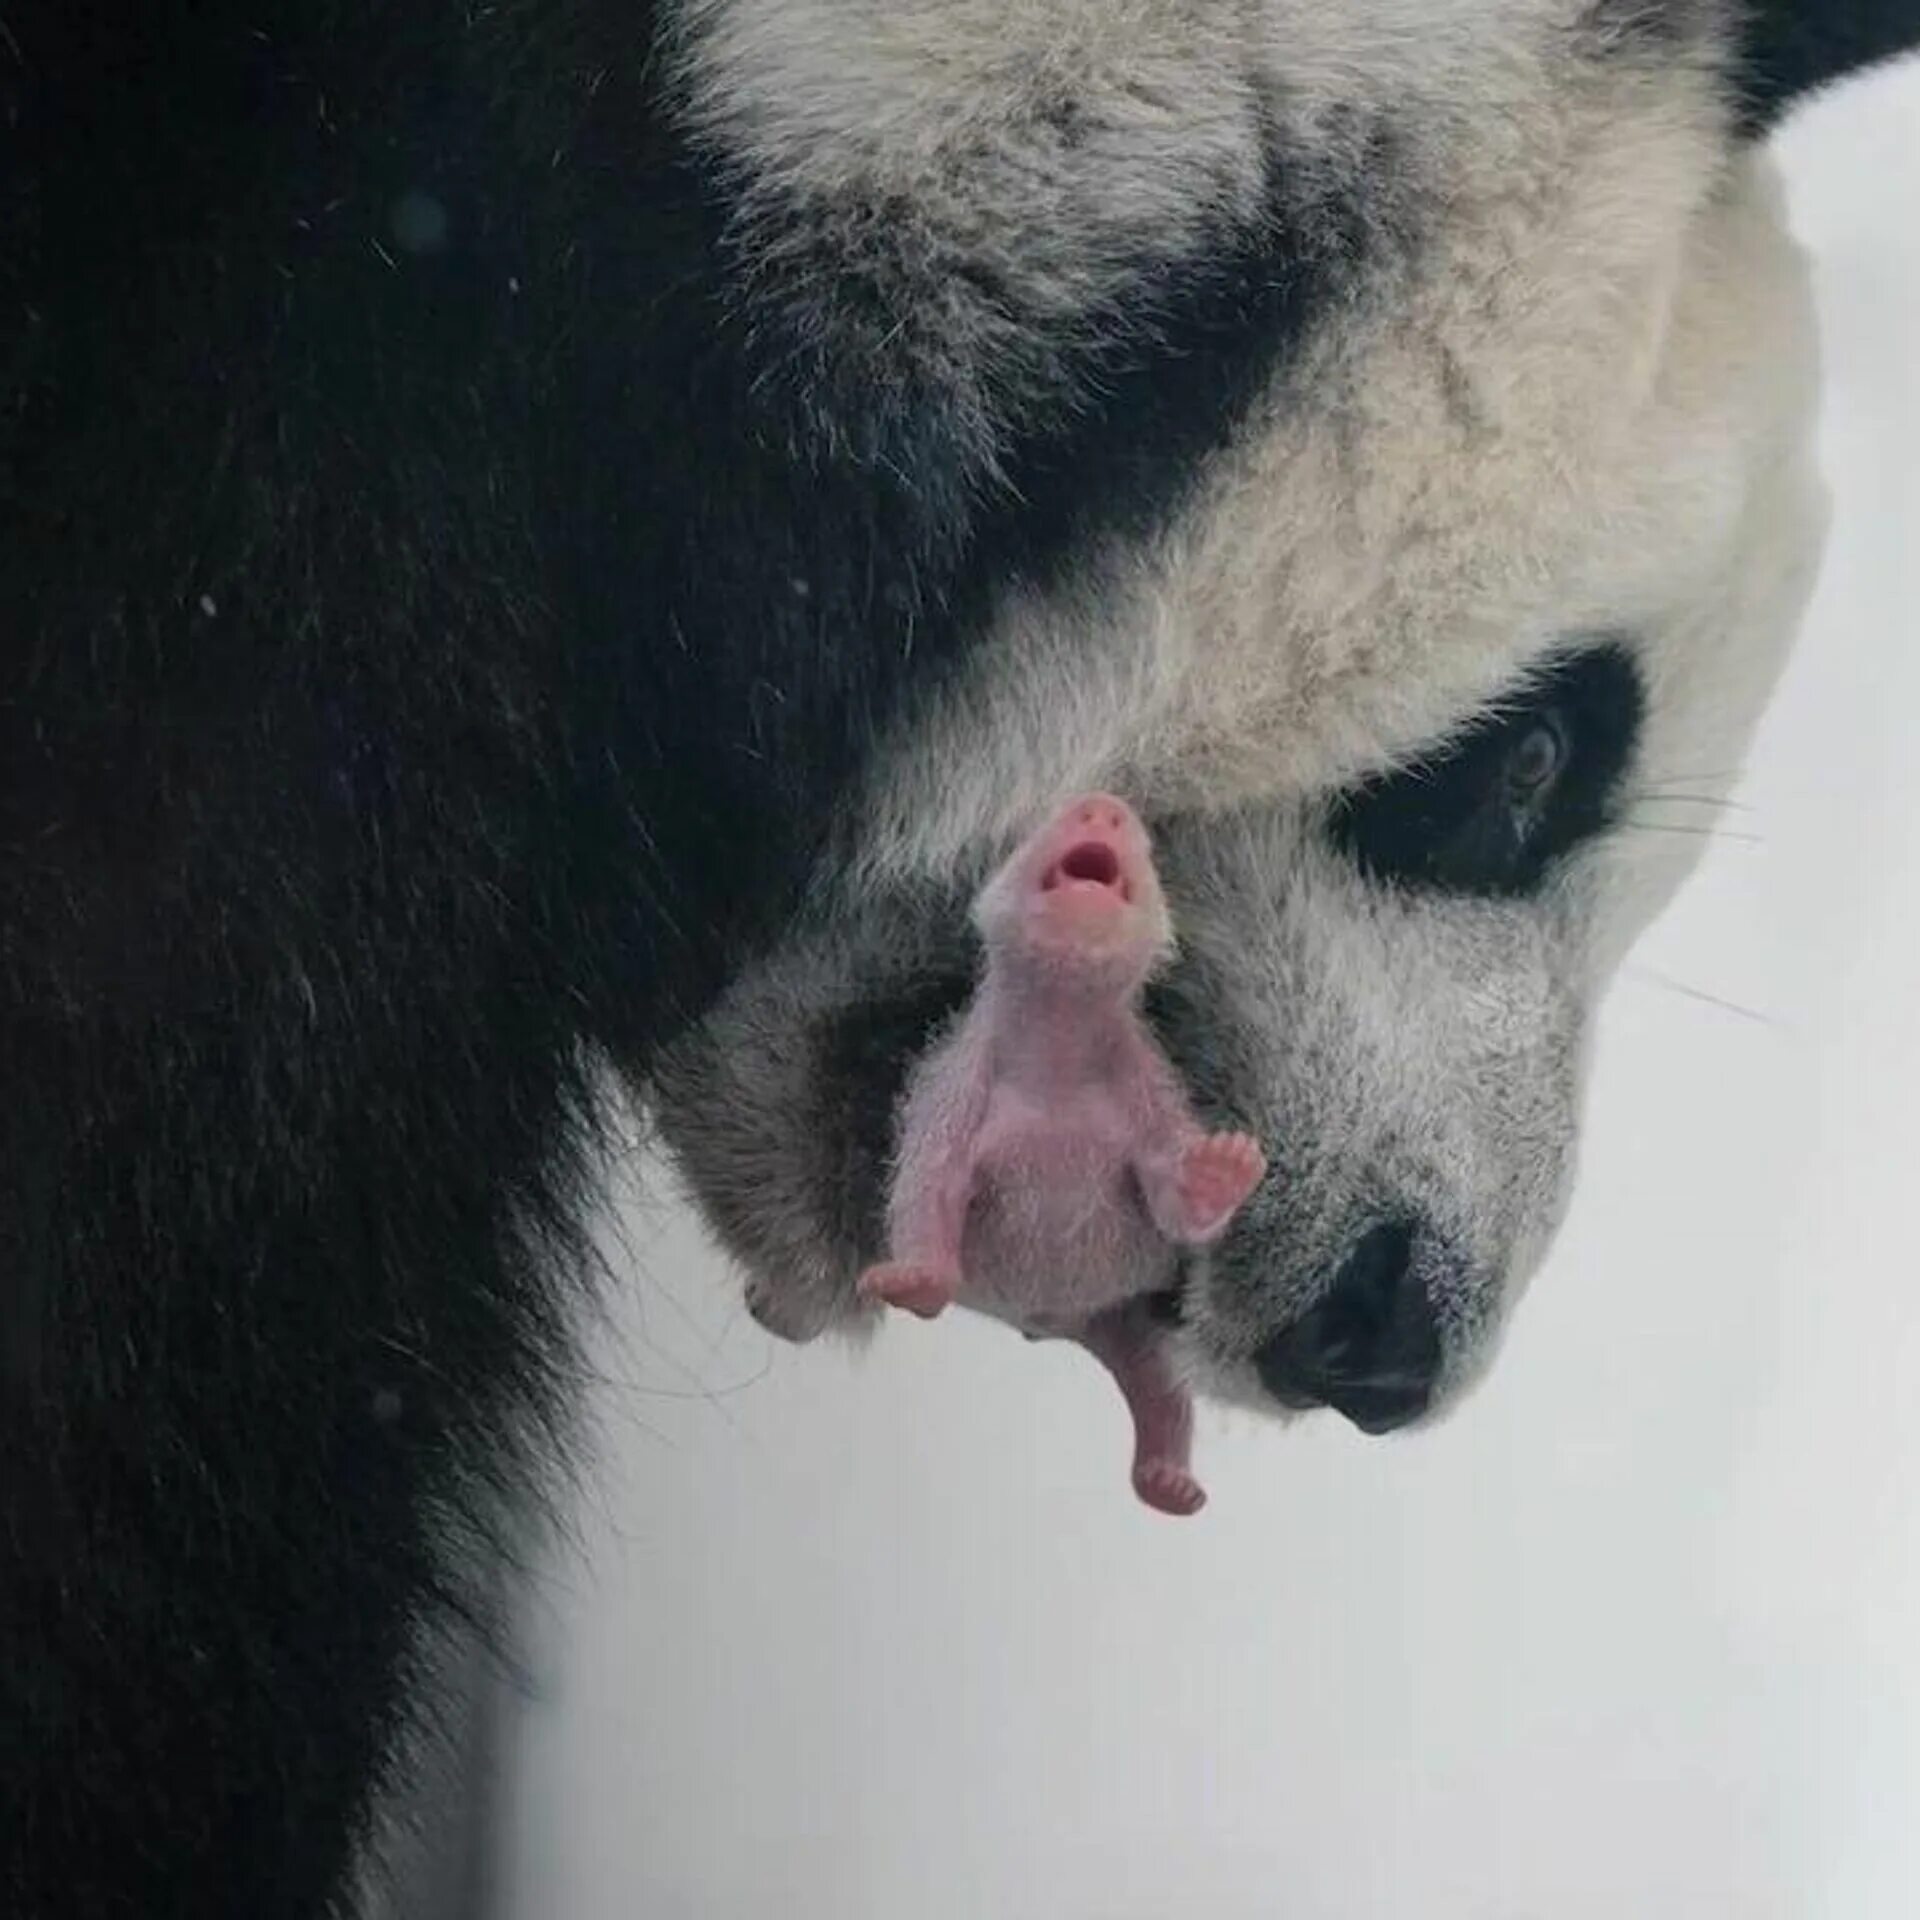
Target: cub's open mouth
x,y
1093,863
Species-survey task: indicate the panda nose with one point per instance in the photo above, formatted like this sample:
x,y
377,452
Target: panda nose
x,y
1370,1348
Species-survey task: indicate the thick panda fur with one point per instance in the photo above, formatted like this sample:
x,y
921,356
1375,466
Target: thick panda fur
x,y
557,537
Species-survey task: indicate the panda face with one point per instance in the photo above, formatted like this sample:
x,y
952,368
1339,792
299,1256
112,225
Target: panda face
x,y
1502,543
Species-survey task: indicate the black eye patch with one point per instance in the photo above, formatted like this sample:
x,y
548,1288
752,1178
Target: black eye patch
x,y
1491,811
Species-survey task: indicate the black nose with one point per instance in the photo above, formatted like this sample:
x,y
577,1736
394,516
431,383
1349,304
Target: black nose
x,y
1371,1348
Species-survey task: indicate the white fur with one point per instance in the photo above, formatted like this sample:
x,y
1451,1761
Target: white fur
x,y
1591,413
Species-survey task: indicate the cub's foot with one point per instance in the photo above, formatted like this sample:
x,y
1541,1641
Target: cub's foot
x,y
1168,1487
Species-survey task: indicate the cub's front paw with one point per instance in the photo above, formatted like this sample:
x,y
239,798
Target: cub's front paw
x,y
913,1286
1216,1174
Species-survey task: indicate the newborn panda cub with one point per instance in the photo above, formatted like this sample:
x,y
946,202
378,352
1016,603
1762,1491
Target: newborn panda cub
x,y
1049,1166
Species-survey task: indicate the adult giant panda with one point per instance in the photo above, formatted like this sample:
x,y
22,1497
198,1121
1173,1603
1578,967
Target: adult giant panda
x,y
560,536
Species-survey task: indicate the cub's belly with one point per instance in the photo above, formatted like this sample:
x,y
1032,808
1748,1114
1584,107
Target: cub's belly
x,y
1053,1237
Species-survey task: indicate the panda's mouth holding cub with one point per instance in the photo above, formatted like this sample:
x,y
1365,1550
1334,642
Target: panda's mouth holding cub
x,y
1361,1277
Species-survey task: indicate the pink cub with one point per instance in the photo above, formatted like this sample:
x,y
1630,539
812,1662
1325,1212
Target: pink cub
x,y
1049,1163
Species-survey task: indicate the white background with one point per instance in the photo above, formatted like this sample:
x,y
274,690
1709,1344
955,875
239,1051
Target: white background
x,y
1636,1634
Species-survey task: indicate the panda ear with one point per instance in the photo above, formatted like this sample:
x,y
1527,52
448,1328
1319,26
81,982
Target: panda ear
x,y
1789,48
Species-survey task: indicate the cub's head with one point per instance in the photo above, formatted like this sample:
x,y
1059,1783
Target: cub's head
x,y
1079,905
1439,601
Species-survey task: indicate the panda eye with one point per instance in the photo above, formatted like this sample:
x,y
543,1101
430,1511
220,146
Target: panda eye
x,y
1535,759
1493,810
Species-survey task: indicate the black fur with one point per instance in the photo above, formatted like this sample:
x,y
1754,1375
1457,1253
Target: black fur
x,y
1793,47
1456,820
437,638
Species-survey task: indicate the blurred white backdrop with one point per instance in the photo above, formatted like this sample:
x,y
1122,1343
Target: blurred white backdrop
x,y
1636,1633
